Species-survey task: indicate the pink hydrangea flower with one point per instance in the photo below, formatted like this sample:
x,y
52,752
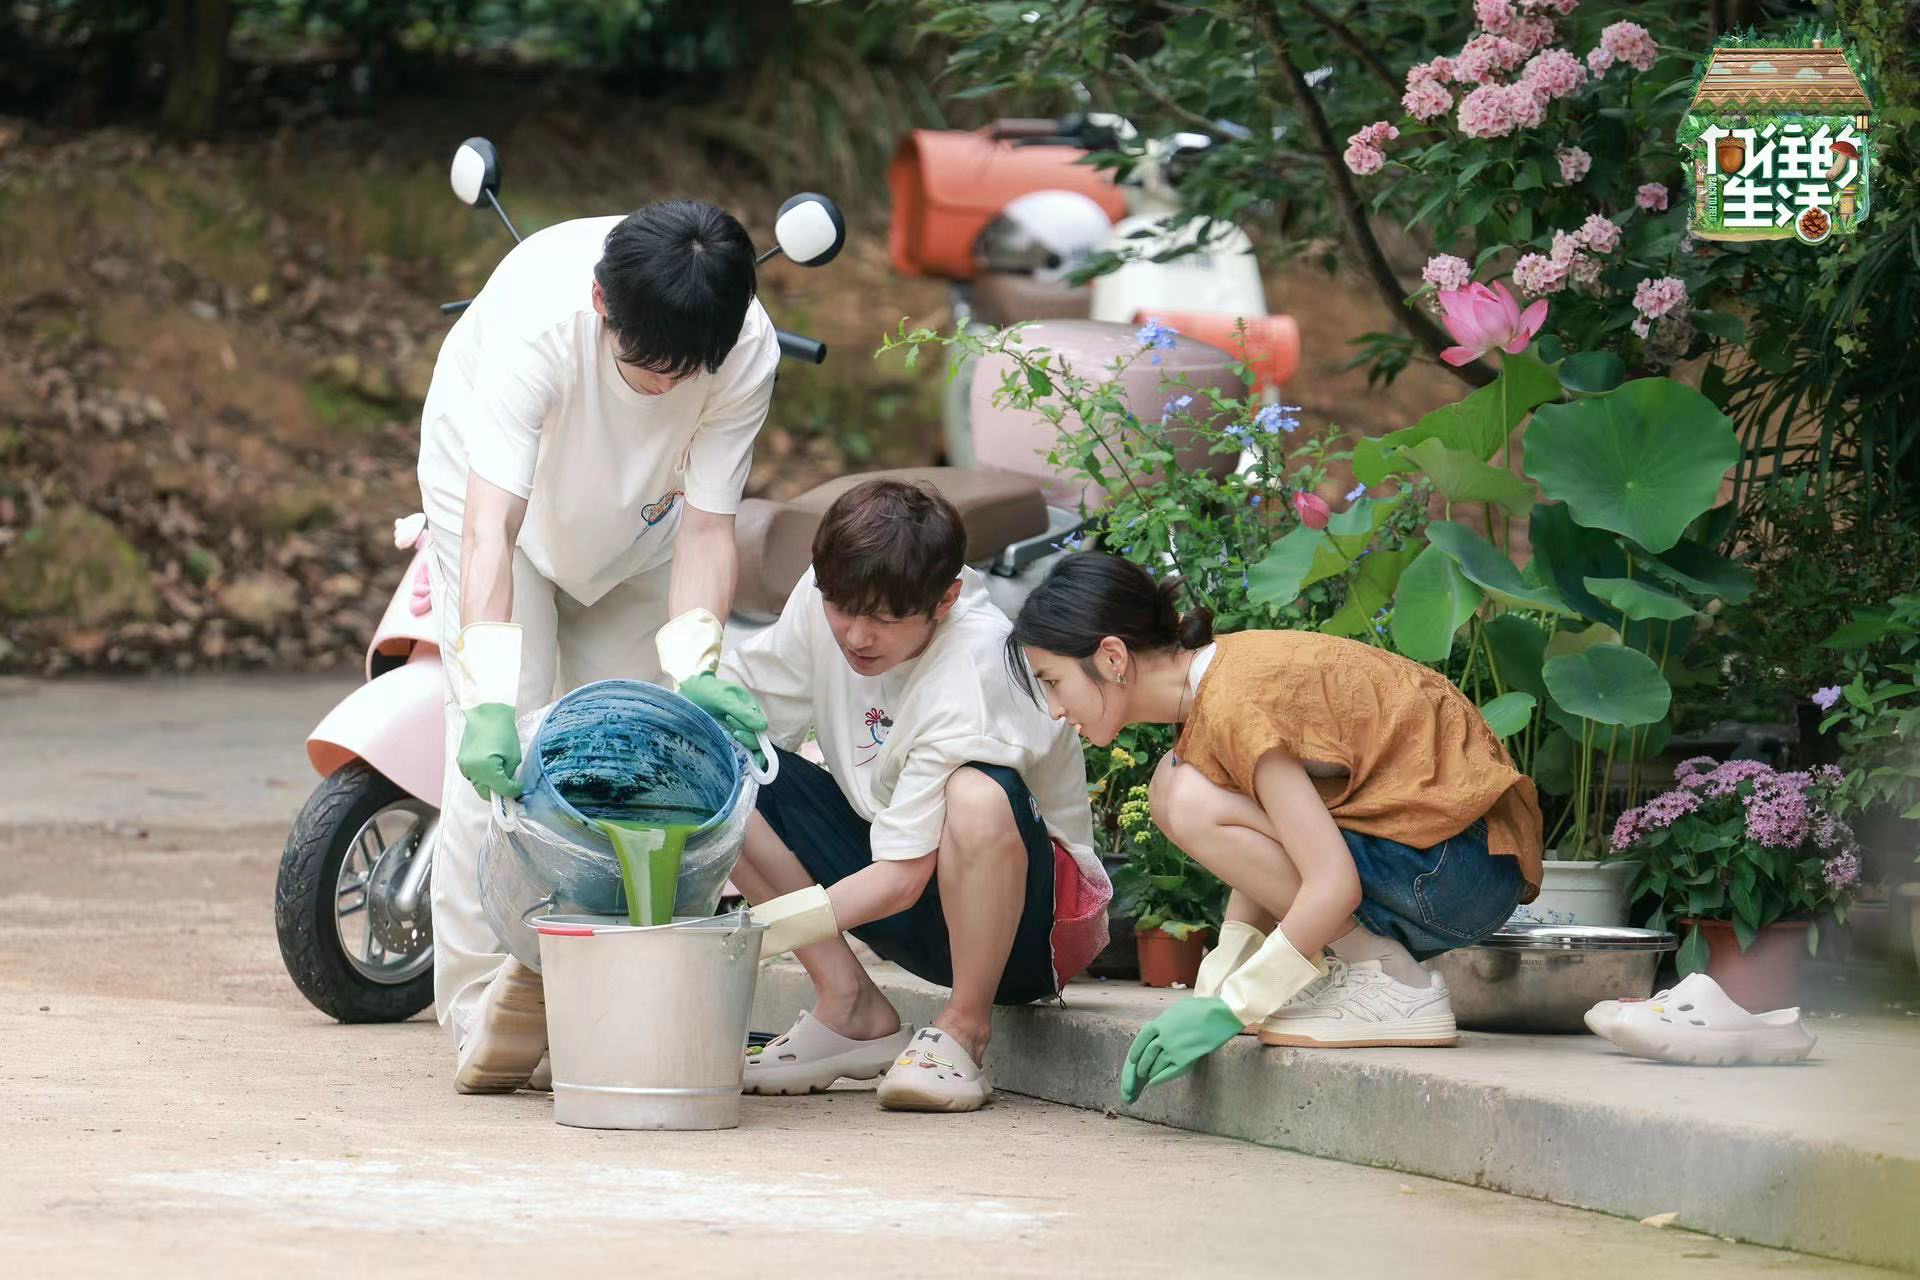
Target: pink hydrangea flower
x,y
1485,57
1630,43
1555,72
1426,100
1487,112
1493,15
1378,134
1567,245
1539,275
1651,195
1656,298
1363,159
1444,271
1533,34
1574,163
1528,104
1583,272
1599,61
1600,233
1481,317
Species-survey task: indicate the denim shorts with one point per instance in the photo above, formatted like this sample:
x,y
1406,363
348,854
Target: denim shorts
x,y
1438,899
807,810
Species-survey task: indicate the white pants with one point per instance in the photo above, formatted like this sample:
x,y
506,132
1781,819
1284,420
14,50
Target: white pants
x,y
563,645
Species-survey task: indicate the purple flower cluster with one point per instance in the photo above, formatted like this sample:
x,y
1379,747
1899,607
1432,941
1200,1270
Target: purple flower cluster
x,y
1842,871
1662,811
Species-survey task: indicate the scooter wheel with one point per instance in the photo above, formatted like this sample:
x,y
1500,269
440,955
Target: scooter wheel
x,y
348,945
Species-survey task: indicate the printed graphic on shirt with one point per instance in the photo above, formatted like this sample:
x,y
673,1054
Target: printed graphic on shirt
x,y
654,512
878,724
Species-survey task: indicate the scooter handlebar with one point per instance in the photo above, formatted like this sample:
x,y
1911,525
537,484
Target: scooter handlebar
x,y
795,346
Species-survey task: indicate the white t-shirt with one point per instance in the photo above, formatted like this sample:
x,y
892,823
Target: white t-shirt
x,y
891,741
527,392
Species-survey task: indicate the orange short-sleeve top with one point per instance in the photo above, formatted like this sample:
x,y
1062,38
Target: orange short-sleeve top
x,y
1421,764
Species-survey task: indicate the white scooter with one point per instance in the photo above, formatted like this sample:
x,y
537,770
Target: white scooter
x,y
352,905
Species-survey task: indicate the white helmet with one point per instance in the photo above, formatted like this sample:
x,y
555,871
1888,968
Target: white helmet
x,y
1045,234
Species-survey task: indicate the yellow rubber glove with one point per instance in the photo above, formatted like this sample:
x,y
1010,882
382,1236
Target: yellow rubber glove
x,y
1238,941
797,919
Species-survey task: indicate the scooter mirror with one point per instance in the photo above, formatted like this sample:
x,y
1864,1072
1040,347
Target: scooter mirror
x,y
476,172
810,230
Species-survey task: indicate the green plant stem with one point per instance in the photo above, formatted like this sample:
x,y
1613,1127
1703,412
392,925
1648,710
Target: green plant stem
x,y
1606,784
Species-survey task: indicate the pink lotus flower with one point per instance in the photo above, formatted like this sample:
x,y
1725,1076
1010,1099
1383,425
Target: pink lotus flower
x,y
1481,317
1651,195
1312,509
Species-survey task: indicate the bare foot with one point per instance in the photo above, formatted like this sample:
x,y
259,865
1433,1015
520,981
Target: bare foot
x,y
973,1036
864,1015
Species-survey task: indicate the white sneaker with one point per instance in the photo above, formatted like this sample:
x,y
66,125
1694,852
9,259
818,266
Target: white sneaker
x,y
1361,1005
509,1037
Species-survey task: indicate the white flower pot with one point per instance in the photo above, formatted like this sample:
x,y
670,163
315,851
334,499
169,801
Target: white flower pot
x,y
1579,893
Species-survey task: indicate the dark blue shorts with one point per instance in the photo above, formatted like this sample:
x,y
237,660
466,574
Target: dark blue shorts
x,y
806,809
1438,899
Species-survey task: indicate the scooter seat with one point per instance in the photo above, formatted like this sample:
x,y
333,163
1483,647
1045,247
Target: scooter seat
x,y
998,509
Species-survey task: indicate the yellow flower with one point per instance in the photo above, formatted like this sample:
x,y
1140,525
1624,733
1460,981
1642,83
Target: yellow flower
x,y
1122,760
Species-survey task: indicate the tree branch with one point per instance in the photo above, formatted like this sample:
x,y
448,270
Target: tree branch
x,y
1159,95
1344,34
1372,259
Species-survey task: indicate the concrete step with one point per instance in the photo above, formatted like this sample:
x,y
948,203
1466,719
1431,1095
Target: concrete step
x,y
1823,1157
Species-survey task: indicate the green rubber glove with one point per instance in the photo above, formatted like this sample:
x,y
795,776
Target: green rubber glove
x,y
1172,1043
736,710
490,750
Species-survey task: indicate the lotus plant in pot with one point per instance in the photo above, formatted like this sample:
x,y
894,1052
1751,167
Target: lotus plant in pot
x,y
1744,859
1175,902
1564,588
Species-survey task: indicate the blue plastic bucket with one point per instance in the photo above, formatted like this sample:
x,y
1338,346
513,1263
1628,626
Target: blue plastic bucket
x,y
615,749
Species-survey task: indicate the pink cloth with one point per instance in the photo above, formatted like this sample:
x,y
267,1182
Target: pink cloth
x,y
1079,917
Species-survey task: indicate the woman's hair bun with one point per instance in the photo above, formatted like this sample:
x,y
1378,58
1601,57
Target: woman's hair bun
x,y
1196,628
1193,629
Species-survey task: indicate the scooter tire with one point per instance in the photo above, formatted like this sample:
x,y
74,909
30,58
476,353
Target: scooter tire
x,y
303,904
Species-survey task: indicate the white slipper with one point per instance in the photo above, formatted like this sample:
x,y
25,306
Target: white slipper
x,y
1703,1027
1603,1015
936,1073
812,1055
510,1035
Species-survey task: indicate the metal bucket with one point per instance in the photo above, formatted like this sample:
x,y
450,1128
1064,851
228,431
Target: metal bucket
x,y
647,1027
1544,978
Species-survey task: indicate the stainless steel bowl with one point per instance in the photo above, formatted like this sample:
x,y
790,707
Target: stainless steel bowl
x,y
1544,978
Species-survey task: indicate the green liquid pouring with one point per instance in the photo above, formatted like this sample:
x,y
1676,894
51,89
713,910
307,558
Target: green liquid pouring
x,y
649,853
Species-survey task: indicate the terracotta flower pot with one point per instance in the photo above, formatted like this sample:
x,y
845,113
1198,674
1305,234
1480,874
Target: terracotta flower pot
x,y
1167,961
1765,976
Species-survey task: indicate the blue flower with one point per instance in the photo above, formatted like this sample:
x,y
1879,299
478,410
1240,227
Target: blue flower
x,y
1825,698
1255,499
1359,492
1157,335
1278,417
1070,543
1173,407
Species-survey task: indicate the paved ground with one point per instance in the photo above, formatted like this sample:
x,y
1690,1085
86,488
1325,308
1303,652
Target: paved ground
x,y
171,1103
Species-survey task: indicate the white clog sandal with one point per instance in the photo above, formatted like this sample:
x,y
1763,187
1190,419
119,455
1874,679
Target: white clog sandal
x,y
812,1055
935,1074
1702,1026
1602,1015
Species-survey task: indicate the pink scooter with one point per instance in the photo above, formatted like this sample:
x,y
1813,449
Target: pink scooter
x,y
353,907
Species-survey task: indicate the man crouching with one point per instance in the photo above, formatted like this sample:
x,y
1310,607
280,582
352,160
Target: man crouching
x,y
950,829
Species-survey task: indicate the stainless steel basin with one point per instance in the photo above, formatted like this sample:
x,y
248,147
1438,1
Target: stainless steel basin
x,y
1544,978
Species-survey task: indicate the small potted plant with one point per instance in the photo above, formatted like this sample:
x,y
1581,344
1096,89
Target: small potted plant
x,y
1175,902
1743,858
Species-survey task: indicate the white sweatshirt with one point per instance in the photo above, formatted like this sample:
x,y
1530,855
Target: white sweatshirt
x,y
891,741
527,393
